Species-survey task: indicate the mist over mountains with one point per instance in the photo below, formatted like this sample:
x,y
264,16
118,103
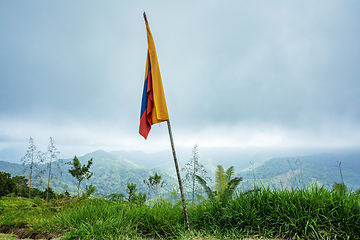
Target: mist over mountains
x,y
268,167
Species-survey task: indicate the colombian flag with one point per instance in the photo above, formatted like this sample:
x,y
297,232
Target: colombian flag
x,y
153,104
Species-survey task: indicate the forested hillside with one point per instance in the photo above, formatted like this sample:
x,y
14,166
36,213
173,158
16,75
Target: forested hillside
x,y
323,169
112,171
110,174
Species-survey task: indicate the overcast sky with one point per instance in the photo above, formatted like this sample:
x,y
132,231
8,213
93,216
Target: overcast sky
x,y
235,73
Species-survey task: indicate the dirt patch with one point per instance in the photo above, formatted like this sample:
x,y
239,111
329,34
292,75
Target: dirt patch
x,y
24,232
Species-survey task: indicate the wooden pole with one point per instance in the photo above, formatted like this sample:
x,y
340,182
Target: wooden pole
x,y
178,176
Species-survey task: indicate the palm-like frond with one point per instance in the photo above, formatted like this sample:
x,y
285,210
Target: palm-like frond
x,y
220,179
229,173
231,187
208,190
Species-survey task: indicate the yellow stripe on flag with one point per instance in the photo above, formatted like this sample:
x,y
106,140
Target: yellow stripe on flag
x,y
160,109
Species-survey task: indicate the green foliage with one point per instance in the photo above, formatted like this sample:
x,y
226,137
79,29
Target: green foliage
x,y
154,182
22,186
116,197
230,172
225,185
80,172
7,184
311,213
230,189
291,213
89,190
339,188
357,192
23,212
112,174
131,190
220,179
17,186
102,219
207,189
133,197
140,198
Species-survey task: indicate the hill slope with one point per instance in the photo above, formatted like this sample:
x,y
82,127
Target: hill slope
x,y
112,171
304,170
111,174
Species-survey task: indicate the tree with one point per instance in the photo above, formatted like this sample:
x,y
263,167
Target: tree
x,y
52,157
154,182
150,184
225,184
89,190
131,190
30,161
22,186
133,197
7,184
158,183
193,168
80,172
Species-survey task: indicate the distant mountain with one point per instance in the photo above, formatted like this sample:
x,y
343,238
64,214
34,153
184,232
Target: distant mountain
x,y
12,168
322,169
111,174
160,161
113,170
210,157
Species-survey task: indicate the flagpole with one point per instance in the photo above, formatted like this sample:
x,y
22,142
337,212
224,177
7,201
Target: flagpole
x,y
175,160
178,175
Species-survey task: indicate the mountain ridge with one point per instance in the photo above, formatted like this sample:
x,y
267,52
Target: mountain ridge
x,y
113,170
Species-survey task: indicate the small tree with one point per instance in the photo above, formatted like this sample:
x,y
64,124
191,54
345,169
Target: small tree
x,y
89,190
158,183
154,182
131,190
133,197
52,157
225,184
193,168
80,172
150,184
30,162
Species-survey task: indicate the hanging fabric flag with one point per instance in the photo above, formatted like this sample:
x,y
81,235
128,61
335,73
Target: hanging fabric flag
x,y
153,104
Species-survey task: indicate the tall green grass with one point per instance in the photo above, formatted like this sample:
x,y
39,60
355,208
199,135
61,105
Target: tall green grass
x,y
311,213
22,212
102,219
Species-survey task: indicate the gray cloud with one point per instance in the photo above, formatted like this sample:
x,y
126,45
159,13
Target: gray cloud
x,y
235,72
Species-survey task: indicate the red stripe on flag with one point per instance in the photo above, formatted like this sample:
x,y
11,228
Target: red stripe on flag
x,y
146,118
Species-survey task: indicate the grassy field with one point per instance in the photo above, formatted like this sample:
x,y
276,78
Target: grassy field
x,y
312,213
